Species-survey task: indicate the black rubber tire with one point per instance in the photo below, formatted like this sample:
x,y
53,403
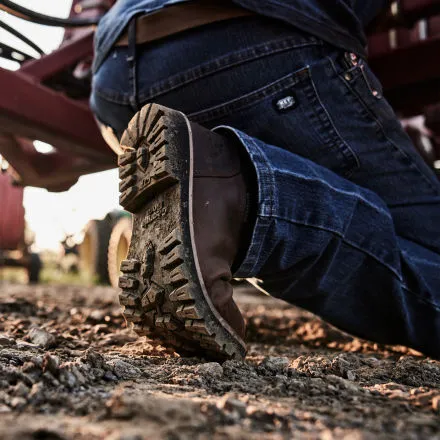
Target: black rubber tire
x,y
34,268
93,250
120,236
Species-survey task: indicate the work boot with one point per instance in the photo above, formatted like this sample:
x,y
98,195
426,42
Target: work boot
x,y
185,186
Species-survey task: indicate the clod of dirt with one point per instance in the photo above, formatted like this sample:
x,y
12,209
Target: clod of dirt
x,y
275,364
6,341
124,370
51,364
94,358
41,337
231,404
21,390
210,369
436,403
18,402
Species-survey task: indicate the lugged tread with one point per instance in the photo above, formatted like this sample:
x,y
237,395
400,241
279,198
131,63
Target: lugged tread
x,y
170,242
128,282
180,294
173,258
127,170
161,292
188,311
127,298
126,158
127,183
197,326
130,266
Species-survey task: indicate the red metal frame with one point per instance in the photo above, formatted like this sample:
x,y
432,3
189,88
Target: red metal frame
x,y
31,110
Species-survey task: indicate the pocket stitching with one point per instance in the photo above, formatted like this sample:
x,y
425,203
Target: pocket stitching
x,y
332,138
244,101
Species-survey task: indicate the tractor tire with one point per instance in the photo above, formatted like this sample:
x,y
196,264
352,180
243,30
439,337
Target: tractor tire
x,y
118,248
34,269
94,249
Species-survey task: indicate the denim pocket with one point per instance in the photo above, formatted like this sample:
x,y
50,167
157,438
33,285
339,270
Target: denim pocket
x,y
290,114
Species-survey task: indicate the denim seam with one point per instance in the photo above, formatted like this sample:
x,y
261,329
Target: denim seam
x,y
247,100
111,96
370,113
265,194
344,240
421,299
225,62
342,145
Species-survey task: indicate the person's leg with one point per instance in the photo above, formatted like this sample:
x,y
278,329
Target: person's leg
x,y
308,99
331,247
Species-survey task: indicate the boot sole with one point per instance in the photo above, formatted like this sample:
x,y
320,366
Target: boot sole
x,y
163,293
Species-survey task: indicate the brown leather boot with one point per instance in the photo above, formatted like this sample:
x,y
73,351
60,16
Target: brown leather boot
x,y
184,186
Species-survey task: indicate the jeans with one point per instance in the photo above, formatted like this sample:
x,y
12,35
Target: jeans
x,y
348,213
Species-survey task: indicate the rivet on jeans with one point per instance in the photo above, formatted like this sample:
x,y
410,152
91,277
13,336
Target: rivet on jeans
x,y
354,59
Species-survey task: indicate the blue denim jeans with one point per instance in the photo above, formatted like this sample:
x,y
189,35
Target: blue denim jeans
x,y
348,215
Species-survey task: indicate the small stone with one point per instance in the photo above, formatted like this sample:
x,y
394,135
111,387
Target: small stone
x,y
37,361
79,376
123,370
21,390
51,379
51,364
343,383
4,409
68,378
351,376
233,405
97,315
18,402
41,337
372,362
211,369
436,403
36,390
5,341
275,363
5,397
109,376
95,359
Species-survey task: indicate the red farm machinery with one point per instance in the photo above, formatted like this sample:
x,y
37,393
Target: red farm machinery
x,y
46,99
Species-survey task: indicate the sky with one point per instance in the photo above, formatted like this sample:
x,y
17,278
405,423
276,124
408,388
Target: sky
x,y
53,215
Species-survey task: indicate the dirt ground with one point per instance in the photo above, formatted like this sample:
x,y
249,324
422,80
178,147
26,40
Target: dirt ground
x,y
70,369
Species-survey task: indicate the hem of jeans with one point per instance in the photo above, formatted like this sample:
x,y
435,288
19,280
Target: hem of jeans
x,y
266,201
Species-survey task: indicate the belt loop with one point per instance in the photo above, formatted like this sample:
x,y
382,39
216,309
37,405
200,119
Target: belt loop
x,y
131,61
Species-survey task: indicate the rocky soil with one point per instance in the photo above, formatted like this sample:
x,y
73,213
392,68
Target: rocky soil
x,y
70,369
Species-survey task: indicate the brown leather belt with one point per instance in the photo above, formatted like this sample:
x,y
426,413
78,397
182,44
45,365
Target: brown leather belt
x,y
181,17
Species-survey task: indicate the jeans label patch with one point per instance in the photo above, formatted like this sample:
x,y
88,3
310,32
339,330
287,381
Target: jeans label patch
x,y
288,102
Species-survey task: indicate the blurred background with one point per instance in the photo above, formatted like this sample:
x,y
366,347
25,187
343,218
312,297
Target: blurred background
x,y
56,218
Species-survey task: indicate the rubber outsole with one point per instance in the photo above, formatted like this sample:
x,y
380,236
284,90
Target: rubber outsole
x,y
163,293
